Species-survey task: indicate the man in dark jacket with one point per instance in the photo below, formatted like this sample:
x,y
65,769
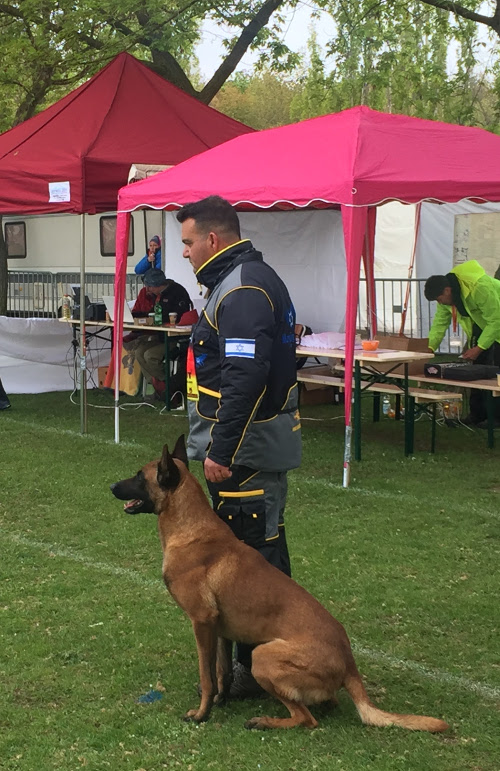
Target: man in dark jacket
x,y
242,388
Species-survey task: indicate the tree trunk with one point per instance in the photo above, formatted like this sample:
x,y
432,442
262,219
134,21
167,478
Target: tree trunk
x,y
3,272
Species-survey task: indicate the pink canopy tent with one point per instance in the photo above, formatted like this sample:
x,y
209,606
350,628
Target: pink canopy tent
x,y
356,159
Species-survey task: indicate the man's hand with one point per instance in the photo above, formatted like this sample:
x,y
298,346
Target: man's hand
x,y
214,472
151,256
472,353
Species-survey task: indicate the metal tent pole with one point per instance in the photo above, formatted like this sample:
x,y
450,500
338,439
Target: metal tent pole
x,y
83,343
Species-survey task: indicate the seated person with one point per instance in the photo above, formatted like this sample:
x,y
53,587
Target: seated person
x,y
149,346
152,259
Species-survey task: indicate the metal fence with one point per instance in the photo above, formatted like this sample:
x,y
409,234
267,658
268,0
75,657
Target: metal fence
x,y
38,294
390,298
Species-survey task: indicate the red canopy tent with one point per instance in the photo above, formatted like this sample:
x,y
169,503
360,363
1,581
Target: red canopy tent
x,y
124,114
88,140
355,160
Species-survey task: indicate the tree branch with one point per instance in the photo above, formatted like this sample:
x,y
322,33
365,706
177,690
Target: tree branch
x,y
241,46
465,13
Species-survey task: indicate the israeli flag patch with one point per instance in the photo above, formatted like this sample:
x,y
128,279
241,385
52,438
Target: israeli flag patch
x,y
237,346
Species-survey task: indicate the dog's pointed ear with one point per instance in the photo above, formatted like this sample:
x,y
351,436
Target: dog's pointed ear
x,y
168,475
180,451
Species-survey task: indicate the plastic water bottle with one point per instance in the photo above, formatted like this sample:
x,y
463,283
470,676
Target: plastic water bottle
x,y
158,317
66,307
386,405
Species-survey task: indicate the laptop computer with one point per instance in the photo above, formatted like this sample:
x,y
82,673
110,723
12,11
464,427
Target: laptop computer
x,y
109,302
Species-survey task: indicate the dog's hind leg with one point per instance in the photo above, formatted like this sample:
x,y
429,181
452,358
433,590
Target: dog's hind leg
x,y
206,642
286,681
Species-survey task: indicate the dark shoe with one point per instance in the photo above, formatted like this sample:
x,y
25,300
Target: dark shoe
x,y
244,685
5,404
484,424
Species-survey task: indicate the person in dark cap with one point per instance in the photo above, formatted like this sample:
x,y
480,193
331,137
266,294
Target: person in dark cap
x,y
468,294
149,347
4,399
152,259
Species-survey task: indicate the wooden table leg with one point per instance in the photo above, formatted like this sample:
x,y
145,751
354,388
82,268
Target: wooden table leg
x,y
491,418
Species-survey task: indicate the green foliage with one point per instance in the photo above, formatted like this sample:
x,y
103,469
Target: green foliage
x,y
262,100
393,56
406,559
49,47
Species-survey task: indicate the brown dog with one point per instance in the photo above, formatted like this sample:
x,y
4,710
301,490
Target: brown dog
x,y
230,593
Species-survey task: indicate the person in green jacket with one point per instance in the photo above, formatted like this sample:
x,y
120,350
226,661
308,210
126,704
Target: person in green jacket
x,y
474,297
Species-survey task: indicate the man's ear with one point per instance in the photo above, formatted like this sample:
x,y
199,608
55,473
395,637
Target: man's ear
x,y
168,475
180,451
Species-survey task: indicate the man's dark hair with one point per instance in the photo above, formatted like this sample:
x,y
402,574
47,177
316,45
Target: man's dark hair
x,y
434,287
212,213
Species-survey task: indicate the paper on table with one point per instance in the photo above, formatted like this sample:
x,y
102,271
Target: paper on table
x,y
326,340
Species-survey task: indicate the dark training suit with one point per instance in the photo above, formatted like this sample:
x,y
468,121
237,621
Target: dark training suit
x,y
242,395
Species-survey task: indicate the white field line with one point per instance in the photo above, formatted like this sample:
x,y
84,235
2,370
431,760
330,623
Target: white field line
x,y
61,551
75,434
461,683
389,495
439,676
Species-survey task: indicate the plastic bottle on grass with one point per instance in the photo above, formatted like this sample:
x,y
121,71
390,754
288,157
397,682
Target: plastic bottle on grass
x,y
386,404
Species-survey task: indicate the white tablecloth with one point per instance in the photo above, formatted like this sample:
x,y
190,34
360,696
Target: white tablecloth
x,y
36,355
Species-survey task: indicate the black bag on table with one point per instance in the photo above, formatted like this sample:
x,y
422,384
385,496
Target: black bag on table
x,y
461,370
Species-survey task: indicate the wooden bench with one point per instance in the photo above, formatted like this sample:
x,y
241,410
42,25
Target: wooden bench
x,y
489,386
425,398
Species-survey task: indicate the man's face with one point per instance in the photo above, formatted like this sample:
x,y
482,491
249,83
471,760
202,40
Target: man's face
x,y
445,297
156,290
198,247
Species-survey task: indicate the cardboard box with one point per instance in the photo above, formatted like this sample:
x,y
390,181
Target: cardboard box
x,y
397,343
315,393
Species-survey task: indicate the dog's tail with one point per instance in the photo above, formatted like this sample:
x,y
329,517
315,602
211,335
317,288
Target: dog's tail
x,y
371,715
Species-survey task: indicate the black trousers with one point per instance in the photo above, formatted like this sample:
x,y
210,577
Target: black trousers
x,y
4,399
252,504
477,398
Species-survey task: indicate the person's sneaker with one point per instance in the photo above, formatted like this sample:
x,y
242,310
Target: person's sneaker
x,y
244,685
5,404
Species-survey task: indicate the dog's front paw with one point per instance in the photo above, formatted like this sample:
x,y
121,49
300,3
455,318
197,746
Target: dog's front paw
x,y
195,716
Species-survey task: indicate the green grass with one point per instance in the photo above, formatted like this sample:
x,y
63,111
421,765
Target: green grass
x,y
407,559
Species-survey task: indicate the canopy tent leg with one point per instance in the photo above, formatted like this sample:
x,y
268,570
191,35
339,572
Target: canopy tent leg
x,y
83,342
368,262
122,231
354,220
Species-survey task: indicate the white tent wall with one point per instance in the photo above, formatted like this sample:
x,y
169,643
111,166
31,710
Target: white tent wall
x,y
435,243
306,248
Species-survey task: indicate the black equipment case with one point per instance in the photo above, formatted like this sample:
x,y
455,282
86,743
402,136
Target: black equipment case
x,y
461,370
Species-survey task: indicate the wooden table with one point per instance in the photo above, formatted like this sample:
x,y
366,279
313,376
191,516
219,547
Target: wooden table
x,y
169,330
368,374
